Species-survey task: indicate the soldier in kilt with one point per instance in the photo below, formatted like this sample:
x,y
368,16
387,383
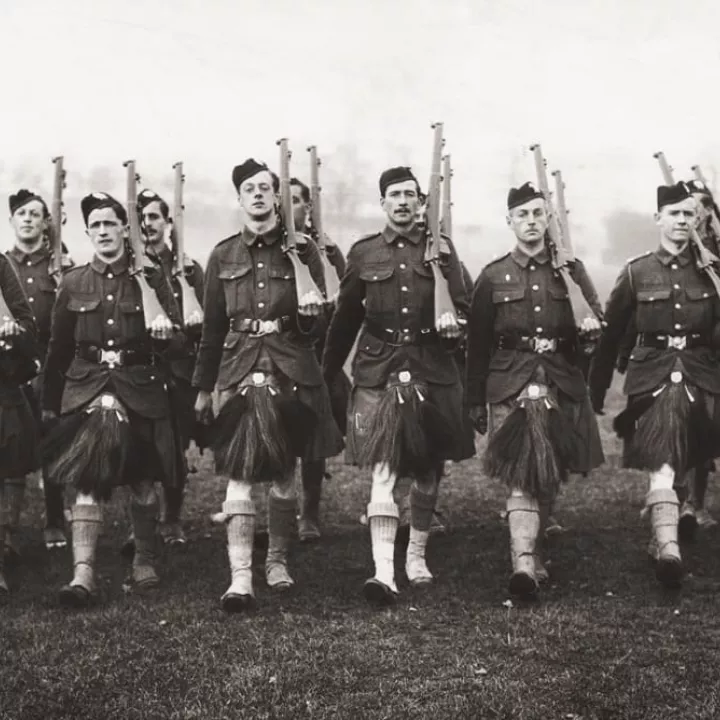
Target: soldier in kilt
x,y
525,382
104,390
406,414
258,348
671,423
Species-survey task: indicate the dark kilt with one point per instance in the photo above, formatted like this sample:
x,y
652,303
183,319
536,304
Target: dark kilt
x,y
449,401
18,434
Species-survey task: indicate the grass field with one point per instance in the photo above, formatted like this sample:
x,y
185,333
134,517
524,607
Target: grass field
x,y
604,642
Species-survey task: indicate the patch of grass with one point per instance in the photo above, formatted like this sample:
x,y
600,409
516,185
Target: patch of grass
x,y
605,642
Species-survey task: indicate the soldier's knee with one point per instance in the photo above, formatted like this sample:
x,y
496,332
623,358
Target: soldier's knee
x,y
144,493
238,490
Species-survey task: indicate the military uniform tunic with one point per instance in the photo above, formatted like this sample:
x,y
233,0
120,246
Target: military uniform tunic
x,y
387,296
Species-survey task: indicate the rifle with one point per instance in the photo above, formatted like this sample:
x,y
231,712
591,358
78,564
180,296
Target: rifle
x,y
443,302
446,220
56,221
714,218
152,308
561,249
304,284
332,281
705,258
192,310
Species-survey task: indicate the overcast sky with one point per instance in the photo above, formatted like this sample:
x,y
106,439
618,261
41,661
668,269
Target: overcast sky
x,y
601,83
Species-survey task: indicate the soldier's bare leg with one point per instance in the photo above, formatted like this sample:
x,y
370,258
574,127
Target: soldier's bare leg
x,y
312,474
174,495
239,509
282,508
523,513
144,507
423,497
13,505
664,506
383,517
87,518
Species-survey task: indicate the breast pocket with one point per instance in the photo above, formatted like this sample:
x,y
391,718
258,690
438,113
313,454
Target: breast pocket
x,y
379,293
653,309
236,283
700,308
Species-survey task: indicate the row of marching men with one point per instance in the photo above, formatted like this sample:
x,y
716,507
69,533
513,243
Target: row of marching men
x,y
111,408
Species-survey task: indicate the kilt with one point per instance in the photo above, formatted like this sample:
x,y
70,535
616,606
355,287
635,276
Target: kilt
x,y
18,434
588,453
448,399
325,439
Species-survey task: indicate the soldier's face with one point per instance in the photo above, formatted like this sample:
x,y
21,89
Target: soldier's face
x,y
106,232
154,224
29,222
301,209
676,221
529,221
401,202
257,197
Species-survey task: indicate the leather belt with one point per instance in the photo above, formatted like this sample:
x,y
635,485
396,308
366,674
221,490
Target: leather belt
x,y
661,341
424,336
534,344
114,358
262,327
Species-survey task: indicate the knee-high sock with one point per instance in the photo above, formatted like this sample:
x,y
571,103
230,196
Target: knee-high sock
x,y
173,502
240,536
14,498
54,505
664,517
281,521
383,519
86,527
144,519
312,472
422,506
524,521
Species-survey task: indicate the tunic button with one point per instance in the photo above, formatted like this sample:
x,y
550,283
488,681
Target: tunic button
x,y
403,266
261,304
705,295
536,287
110,343
401,245
31,299
404,288
676,286
82,309
110,297
110,276
176,295
678,326
29,262
261,285
30,281
110,322
261,265
677,306
532,267
404,310
674,266
538,329
537,308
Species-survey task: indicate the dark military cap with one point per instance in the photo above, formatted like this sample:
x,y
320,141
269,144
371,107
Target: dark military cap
x,y
23,197
145,197
525,193
671,194
394,175
97,201
249,168
698,186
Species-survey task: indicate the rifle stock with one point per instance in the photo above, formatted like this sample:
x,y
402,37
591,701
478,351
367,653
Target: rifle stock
x,y
304,283
446,220
705,258
443,301
152,308
561,251
56,220
192,310
332,281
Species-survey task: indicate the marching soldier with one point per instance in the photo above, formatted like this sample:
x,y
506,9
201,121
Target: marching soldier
x,y
31,258
313,473
259,331
158,232
406,416
525,384
672,380
104,388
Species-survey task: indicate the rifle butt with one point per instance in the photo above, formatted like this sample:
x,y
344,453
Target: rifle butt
x,y
190,305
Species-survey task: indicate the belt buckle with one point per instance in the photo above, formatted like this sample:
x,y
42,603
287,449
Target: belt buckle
x,y
111,357
543,345
264,327
677,342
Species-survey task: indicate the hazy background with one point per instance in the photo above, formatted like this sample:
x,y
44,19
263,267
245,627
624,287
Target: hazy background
x,y
602,84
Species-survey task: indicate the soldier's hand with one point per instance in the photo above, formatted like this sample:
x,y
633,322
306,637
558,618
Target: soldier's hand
x,y
479,418
328,241
204,407
195,319
48,415
590,325
9,328
161,328
597,400
447,325
310,304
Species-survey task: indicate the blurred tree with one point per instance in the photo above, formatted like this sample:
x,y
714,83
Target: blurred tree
x,y
629,233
